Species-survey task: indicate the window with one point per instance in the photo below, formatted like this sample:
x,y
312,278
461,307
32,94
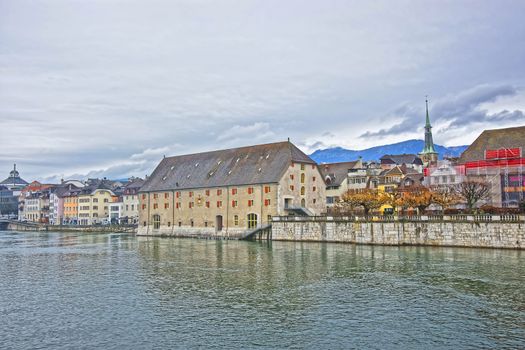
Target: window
x,y
252,221
292,187
236,220
314,188
302,166
205,223
177,194
132,207
95,200
180,223
166,195
302,191
219,204
106,200
266,189
95,207
219,192
250,202
190,204
155,195
191,194
156,221
291,176
144,224
144,197
269,218
250,190
143,206
234,204
302,178
315,200
127,207
207,192
266,202
166,205
191,222
234,191
207,204
313,178
169,223
155,205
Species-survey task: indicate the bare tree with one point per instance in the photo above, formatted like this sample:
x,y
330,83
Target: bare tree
x,y
472,192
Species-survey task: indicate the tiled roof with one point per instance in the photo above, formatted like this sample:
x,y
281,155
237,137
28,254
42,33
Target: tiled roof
x,y
135,183
237,166
335,173
493,140
401,159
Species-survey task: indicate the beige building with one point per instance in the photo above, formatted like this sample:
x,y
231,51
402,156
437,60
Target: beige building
x,y
130,201
335,175
229,192
93,206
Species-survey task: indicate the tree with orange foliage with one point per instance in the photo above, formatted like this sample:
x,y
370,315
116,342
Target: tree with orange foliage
x,y
445,197
418,197
368,199
395,198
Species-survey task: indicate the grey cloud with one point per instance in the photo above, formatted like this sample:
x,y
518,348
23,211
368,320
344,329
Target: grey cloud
x,y
180,76
459,110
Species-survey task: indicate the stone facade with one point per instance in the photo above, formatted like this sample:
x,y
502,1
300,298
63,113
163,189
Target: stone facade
x,y
433,233
252,184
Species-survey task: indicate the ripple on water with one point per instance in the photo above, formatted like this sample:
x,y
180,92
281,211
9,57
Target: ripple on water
x,y
117,291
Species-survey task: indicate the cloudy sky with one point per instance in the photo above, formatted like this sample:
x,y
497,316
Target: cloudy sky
x,y
107,87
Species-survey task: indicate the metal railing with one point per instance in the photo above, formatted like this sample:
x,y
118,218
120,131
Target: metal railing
x,y
405,218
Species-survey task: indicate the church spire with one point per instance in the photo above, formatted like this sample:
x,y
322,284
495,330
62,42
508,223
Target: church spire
x,y
429,153
427,124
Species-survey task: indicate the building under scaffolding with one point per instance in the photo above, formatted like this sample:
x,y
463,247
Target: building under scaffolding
x,y
502,169
496,158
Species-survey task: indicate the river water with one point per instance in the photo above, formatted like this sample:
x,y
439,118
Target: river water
x,y
87,291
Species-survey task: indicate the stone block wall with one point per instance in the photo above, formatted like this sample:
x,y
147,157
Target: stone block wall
x,y
459,234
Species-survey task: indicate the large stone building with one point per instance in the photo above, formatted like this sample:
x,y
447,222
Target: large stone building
x,y
229,192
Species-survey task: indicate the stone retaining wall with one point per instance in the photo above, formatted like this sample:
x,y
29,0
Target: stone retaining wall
x,y
458,234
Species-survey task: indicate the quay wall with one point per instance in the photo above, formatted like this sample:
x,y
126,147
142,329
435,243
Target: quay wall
x,y
191,232
431,233
26,226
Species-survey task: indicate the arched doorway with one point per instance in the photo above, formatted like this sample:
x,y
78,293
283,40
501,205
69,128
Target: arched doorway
x,y
252,221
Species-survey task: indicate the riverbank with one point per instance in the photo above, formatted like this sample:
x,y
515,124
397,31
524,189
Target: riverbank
x,y
31,226
488,231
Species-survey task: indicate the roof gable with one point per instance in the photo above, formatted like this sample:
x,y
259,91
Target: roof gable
x,y
493,140
237,166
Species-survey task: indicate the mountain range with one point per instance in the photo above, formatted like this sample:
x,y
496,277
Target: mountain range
x,y
339,154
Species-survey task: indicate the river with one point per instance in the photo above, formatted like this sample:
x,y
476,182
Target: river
x,y
111,291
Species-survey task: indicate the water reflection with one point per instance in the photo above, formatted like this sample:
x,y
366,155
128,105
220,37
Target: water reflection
x,y
117,291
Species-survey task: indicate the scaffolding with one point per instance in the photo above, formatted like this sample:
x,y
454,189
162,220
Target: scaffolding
x,y
497,168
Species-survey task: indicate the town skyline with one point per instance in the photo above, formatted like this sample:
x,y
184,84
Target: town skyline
x,y
111,97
